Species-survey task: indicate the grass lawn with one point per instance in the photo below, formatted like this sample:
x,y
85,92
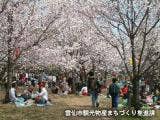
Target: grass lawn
x,y
57,110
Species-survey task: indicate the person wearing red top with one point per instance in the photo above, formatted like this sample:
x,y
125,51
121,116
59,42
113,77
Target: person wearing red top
x,y
124,92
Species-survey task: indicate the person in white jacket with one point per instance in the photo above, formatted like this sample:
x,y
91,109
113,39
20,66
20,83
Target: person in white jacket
x,y
12,93
43,95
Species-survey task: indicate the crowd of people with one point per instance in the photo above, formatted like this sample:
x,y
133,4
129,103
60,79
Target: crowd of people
x,y
38,94
114,91
120,91
37,90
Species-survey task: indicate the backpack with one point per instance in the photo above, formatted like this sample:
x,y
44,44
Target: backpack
x,y
93,85
98,86
113,90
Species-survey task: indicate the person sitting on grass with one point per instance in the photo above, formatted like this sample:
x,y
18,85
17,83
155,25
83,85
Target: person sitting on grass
x,y
67,89
12,92
28,93
55,88
156,96
42,97
84,91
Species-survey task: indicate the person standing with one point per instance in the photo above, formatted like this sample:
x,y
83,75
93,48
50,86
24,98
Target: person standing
x,y
114,91
93,89
124,91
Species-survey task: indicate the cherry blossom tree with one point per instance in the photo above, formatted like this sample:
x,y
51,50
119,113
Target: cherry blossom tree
x,y
76,48
89,34
77,44
132,28
23,25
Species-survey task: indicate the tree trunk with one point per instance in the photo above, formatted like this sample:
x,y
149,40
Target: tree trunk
x,y
9,79
9,61
136,94
105,74
74,81
73,87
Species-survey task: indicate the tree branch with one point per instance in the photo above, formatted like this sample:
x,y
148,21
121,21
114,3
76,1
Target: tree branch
x,y
4,4
154,62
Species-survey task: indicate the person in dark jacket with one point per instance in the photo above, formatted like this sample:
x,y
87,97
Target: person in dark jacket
x,y
93,89
114,91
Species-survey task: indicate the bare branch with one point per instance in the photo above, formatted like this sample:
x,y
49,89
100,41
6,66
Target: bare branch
x,y
154,25
143,44
153,63
4,4
145,15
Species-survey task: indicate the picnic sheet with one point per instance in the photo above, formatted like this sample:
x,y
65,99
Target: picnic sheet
x,y
21,103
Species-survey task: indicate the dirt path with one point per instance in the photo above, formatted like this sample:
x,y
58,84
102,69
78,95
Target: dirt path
x,y
80,101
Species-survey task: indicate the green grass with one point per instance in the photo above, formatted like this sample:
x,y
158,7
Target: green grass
x,y
56,112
